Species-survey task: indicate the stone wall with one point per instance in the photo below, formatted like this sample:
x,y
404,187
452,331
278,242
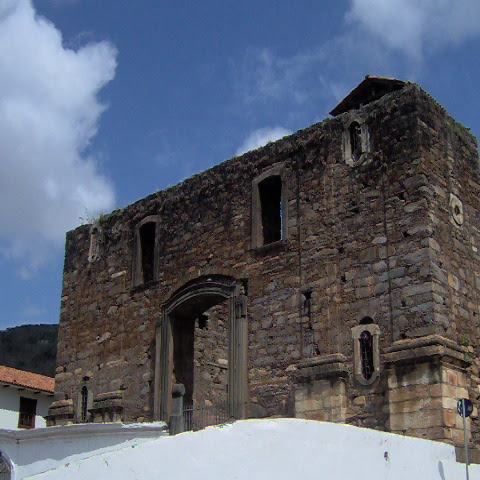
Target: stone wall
x,y
426,378
360,243
451,179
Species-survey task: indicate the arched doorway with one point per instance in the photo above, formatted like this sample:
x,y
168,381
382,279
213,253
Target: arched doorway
x,y
5,468
174,354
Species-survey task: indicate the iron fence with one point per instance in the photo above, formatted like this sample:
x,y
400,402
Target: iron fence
x,y
199,417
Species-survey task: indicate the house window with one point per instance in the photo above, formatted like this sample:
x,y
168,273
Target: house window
x,y
144,268
270,191
27,413
269,208
366,357
84,404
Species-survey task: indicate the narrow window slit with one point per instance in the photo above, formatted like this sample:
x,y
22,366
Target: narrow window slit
x,y
270,191
366,353
84,406
147,244
355,140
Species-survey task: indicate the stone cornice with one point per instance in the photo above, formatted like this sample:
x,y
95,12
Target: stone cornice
x,y
425,349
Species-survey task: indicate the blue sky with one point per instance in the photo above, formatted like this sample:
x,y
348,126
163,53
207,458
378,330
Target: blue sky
x,y
103,102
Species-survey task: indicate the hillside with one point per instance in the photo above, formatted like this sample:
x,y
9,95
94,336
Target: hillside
x,y
30,347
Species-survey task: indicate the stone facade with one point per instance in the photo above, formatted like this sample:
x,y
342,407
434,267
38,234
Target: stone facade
x,y
298,279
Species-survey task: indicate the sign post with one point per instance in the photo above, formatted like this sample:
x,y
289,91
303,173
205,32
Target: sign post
x,y
465,409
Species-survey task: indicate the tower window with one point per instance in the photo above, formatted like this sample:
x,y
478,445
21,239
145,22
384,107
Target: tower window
x,y
269,207
366,354
147,245
270,191
145,251
355,141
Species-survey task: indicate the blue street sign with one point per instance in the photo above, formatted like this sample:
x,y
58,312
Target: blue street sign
x,y
464,407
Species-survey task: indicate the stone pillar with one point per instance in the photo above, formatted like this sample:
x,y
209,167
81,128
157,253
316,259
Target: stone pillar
x,y
426,377
60,412
176,423
320,388
107,407
237,355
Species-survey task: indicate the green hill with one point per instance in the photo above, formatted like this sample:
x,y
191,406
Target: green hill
x,y
30,347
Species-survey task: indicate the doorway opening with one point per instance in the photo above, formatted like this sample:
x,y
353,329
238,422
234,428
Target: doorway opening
x,y
200,350
202,343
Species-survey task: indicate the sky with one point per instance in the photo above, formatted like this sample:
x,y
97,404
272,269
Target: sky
x,y
104,102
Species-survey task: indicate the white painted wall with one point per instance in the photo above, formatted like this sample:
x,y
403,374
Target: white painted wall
x,y
35,451
274,449
10,405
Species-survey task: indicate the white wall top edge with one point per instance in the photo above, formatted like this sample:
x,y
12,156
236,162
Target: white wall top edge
x,y
126,429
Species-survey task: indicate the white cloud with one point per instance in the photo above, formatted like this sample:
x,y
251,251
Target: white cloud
x,y
261,137
34,311
309,83
380,37
415,26
49,112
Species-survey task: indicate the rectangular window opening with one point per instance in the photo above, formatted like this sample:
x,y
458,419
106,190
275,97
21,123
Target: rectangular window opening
x,y
147,245
270,192
28,411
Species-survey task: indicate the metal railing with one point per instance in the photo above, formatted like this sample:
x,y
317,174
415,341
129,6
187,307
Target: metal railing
x,y
199,417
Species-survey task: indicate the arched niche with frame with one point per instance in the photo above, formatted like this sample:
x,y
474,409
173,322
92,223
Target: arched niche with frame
x,y
145,254
356,143
366,353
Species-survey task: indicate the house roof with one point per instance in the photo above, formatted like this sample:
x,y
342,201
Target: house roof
x,y
369,90
34,381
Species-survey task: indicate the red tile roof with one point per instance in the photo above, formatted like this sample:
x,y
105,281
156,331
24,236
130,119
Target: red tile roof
x,y
31,380
369,90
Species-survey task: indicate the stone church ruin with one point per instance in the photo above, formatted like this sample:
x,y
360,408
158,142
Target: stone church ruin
x,y
333,274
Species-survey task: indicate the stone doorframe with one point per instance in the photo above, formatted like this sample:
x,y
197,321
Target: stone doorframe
x,y
211,285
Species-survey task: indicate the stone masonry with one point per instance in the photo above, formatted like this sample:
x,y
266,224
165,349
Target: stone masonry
x,y
333,274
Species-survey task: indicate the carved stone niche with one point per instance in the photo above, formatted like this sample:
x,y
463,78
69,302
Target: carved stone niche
x,y
107,407
96,241
60,412
320,388
426,377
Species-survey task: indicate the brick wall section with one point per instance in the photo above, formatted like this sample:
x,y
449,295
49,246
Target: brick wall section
x,y
360,239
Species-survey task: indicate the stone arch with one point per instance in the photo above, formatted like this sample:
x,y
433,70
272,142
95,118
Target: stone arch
x,y
6,467
194,298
